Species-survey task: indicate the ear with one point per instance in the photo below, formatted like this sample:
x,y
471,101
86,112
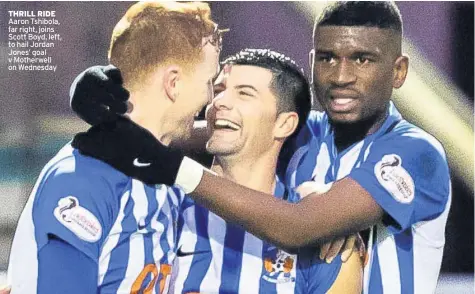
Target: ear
x,y
311,61
171,81
285,124
401,66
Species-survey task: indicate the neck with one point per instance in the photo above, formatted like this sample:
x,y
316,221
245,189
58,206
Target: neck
x,y
255,173
348,134
149,117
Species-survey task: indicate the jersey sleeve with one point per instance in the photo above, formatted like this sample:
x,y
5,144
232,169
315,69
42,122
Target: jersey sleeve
x,y
63,269
408,177
76,207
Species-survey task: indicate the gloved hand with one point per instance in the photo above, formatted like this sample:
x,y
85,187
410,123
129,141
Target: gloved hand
x,y
132,150
97,94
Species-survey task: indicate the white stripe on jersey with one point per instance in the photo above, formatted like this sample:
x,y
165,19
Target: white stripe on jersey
x,y
136,261
160,195
158,251
388,260
216,233
171,212
251,264
423,234
369,261
23,263
183,264
112,239
351,156
323,160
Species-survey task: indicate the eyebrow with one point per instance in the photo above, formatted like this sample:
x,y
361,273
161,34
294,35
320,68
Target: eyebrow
x,y
356,53
246,86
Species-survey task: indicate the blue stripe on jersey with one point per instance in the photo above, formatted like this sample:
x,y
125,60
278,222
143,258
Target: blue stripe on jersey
x,y
291,176
163,219
148,237
120,255
307,164
330,176
174,211
376,284
360,158
200,262
302,273
405,255
232,258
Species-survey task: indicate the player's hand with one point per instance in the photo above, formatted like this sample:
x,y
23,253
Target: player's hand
x,y
97,94
132,150
345,246
331,249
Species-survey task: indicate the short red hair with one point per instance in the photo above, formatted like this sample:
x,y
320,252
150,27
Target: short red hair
x,y
156,33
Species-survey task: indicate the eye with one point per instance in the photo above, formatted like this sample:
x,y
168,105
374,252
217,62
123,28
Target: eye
x,y
244,93
326,59
361,60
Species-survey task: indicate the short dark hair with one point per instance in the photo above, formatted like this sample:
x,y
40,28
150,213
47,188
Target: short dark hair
x,y
380,14
289,83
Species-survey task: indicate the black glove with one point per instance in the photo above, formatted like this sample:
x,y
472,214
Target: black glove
x,y
97,94
132,150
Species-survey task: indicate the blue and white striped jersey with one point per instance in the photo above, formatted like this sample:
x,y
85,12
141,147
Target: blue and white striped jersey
x,y
218,257
127,227
405,170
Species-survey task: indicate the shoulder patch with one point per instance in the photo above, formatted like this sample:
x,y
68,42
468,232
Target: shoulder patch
x,y
77,219
394,178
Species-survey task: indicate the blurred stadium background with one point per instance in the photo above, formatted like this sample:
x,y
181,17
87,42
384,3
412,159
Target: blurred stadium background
x,y
35,119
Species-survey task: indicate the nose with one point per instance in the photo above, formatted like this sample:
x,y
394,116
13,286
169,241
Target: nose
x,y
222,101
343,73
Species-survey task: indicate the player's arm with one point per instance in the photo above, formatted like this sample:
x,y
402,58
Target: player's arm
x,y
72,213
397,185
64,269
352,204
347,208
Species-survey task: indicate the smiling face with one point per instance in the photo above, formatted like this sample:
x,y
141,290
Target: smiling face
x,y
242,117
355,69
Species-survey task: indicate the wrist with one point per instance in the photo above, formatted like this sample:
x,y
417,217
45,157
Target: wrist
x,y
189,175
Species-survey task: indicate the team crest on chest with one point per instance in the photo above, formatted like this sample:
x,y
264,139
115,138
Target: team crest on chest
x,y
278,266
394,178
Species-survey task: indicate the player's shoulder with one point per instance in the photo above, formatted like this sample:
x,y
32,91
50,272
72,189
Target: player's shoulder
x,y
70,168
414,139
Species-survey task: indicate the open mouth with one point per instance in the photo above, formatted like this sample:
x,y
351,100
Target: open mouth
x,y
224,124
342,104
342,101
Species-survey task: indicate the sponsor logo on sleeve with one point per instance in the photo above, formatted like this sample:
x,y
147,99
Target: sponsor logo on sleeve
x,y
77,219
394,178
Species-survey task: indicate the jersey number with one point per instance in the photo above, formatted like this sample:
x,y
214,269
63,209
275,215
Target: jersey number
x,y
165,271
